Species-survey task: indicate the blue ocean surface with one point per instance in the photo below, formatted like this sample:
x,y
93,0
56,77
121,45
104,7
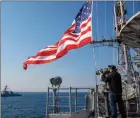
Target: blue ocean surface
x,y
33,105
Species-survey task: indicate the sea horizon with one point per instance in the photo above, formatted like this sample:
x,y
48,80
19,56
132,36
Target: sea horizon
x,y
33,104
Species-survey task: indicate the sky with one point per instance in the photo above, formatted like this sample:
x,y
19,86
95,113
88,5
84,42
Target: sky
x,y
27,27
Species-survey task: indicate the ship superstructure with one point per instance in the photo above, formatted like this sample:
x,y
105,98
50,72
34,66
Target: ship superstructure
x,y
8,93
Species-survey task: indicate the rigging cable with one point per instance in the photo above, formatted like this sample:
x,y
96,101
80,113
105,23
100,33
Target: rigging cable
x,y
97,110
133,14
105,18
94,53
105,32
95,63
113,38
133,7
96,38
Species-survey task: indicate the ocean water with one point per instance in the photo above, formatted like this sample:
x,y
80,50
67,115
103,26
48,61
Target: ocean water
x,y
33,105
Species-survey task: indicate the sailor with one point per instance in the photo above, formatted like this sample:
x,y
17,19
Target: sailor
x,y
115,96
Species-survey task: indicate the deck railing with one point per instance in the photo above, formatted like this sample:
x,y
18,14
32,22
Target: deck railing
x,y
65,100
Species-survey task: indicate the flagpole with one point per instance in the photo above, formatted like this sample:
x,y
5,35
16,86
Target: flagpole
x,y
96,87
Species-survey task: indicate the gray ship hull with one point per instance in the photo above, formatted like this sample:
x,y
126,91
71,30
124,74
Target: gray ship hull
x,y
15,95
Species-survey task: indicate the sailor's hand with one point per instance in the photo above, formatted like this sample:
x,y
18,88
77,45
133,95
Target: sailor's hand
x,y
101,75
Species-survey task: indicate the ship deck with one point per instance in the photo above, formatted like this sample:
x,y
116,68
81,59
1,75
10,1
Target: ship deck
x,y
55,110
84,114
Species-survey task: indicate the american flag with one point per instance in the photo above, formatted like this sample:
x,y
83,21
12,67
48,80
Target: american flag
x,y
78,35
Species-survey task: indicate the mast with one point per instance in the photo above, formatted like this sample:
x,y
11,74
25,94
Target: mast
x,y
5,88
125,59
124,56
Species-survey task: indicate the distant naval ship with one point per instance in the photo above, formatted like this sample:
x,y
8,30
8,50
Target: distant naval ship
x,y
7,93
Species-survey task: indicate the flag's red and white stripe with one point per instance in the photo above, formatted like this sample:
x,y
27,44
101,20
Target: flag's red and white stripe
x,y
68,42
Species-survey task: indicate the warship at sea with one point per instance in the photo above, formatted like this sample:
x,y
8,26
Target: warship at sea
x,y
8,93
